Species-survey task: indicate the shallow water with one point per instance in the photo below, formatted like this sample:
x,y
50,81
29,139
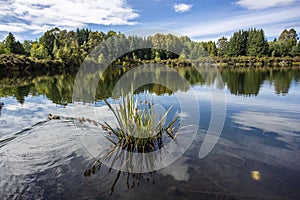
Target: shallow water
x,y
47,159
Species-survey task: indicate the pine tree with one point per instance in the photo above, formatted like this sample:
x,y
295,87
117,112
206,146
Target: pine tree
x,y
12,45
238,44
257,44
222,45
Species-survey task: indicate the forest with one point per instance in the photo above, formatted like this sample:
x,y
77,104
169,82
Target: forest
x,y
69,48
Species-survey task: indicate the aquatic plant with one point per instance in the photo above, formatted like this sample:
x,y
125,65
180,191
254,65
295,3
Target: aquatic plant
x,y
139,127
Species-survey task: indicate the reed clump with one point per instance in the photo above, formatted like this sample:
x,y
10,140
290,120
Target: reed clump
x,y
139,128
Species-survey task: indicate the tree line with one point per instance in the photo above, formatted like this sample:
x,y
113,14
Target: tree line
x,y
253,43
72,47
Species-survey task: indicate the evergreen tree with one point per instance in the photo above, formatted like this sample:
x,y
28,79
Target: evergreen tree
x,y
257,44
222,46
12,45
238,44
73,46
27,44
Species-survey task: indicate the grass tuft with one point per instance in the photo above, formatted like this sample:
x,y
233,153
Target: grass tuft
x,y
138,129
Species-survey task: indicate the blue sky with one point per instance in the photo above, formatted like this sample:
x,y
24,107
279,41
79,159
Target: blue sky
x,y
202,20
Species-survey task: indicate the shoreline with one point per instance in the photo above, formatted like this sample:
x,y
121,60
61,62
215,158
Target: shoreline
x,y
15,62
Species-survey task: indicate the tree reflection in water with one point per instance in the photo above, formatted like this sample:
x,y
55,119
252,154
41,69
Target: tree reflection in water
x,y
58,86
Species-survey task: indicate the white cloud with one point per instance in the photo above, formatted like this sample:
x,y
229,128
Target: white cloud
x,y
258,19
182,7
262,4
38,16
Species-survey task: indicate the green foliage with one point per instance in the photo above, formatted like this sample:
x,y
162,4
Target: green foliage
x,y
286,45
82,35
295,50
257,44
27,44
47,40
209,47
222,46
72,47
275,49
12,45
253,43
238,44
288,35
14,62
3,49
138,129
38,51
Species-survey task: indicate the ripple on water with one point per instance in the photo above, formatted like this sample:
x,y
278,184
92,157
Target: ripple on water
x,y
38,157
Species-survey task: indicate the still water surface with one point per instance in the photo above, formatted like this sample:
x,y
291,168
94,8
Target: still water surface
x,y
257,156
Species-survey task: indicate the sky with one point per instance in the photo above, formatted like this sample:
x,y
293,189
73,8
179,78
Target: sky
x,y
202,20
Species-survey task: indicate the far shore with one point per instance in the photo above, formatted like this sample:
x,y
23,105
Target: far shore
x,y
15,62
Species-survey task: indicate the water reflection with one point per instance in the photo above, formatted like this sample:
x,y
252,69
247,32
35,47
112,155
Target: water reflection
x,y
257,156
248,82
132,179
58,87
284,127
178,170
1,105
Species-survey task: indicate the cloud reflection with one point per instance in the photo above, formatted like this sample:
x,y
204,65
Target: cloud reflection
x,y
178,170
286,127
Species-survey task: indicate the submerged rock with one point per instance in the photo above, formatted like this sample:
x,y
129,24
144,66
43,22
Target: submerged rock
x,y
50,116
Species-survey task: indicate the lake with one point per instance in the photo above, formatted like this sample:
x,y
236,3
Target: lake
x,y
257,155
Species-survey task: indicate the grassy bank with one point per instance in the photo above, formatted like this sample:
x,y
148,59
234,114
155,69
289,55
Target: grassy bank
x,y
254,62
15,62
